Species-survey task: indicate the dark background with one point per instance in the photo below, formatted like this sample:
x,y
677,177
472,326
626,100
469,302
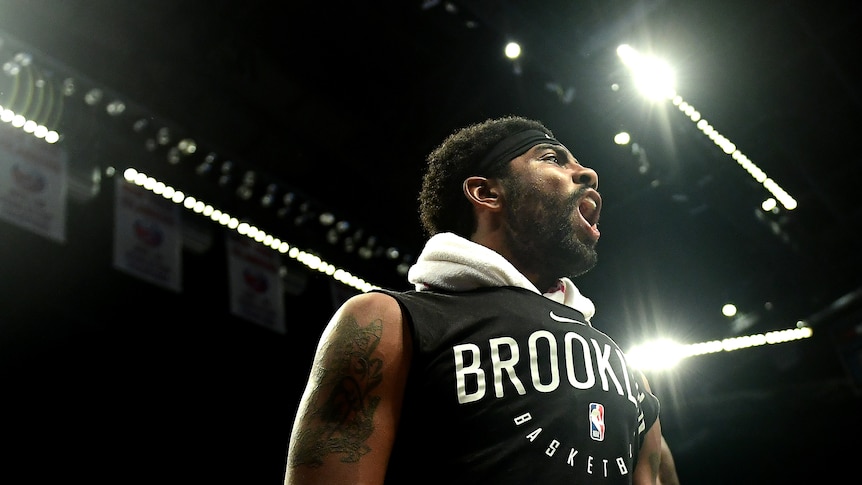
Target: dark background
x,y
109,379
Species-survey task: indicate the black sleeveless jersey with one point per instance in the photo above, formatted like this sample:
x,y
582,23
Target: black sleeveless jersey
x,y
509,387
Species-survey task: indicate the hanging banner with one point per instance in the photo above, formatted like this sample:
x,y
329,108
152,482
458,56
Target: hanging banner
x,y
33,183
256,291
147,236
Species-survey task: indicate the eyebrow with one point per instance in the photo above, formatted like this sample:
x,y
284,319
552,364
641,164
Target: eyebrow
x,y
559,149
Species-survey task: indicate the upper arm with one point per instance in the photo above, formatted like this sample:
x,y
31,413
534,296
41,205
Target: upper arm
x,y
656,453
667,468
650,455
349,411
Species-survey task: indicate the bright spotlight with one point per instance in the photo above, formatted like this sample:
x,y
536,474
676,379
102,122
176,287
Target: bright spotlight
x,y
622,138
513,50
653,77
728,310
659,354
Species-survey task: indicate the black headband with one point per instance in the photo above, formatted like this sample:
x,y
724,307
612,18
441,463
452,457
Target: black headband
x,y
513,146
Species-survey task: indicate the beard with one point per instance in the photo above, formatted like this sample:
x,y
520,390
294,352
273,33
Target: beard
x,y
543,235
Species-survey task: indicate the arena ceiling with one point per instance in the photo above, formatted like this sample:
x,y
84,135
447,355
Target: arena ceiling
x,y
339,103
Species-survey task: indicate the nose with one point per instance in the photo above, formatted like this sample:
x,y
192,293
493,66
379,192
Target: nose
x,y
586,176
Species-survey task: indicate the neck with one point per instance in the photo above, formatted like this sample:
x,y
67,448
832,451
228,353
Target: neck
x,y
496,241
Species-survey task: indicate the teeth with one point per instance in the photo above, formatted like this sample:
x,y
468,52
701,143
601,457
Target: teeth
x,y
588,209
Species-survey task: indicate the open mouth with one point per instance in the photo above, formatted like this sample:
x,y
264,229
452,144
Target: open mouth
x,y
590,206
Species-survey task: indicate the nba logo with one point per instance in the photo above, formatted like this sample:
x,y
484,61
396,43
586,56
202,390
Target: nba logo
x,y
597,421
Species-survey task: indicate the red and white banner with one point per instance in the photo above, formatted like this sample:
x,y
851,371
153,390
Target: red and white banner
x,y
33,183
256,290
147,236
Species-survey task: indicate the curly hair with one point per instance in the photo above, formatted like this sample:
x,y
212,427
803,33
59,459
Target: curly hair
x,y
442,204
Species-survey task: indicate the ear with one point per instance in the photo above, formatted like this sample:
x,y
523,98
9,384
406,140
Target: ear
x,y
484,192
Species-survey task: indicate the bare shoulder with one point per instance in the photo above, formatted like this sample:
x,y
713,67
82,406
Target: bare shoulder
x,y
346,422
372,303
366,314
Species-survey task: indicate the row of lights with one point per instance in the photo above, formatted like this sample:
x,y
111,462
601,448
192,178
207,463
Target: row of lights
x,y
655,80
28,126
248,184
27,95
223,218
666,354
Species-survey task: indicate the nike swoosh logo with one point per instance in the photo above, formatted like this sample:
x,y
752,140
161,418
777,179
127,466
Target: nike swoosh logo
x,y
558,318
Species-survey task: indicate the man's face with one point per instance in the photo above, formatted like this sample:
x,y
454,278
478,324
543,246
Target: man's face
x,y
552,211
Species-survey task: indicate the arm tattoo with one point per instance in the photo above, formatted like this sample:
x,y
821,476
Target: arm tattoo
x,y
342,403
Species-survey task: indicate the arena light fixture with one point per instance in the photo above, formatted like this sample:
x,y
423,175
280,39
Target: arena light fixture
x,y
656,79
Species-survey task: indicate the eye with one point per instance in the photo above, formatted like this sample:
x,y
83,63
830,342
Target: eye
x,y
553,158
